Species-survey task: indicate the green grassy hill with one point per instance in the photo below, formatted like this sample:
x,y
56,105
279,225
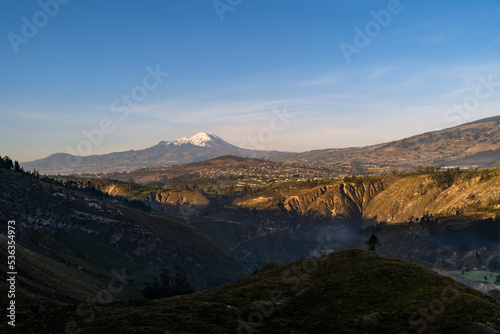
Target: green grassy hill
x,y
348,292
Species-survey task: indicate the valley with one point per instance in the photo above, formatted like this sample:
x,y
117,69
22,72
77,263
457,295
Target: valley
x,y
213,223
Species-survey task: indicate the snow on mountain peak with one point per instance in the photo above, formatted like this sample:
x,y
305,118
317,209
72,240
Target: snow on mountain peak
x,y
201,139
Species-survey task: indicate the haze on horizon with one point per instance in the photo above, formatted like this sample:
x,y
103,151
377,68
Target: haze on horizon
x,y
350,72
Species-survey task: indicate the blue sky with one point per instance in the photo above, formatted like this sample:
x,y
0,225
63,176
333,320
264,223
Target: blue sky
x,y
412,72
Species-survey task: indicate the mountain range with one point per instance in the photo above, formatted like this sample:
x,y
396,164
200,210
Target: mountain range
x,y
475,144
199,147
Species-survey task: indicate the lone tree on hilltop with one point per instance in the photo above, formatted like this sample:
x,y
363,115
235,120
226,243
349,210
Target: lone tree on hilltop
x,y
373,243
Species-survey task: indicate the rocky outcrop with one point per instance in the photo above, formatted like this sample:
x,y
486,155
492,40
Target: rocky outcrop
x,y
113,190
175,201
417,195
342,200
389,199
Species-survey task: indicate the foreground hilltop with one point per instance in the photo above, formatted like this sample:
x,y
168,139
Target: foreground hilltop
x,y
348,292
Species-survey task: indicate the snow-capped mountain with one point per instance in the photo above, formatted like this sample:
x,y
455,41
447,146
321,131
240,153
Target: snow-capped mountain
x,y
201,139
202,146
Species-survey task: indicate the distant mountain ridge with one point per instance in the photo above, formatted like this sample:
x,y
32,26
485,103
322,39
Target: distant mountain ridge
x,y
200,147
475,144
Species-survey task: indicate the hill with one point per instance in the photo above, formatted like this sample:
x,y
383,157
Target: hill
x,y
474,144
201,146
439,194
393,198
347,292
83,228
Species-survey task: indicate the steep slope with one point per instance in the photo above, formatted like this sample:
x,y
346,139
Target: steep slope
x,y
340,200
472,144
200,147
44,279
49,216
418,195
348,292
390,199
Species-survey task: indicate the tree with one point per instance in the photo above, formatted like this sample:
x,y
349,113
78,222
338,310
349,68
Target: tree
x,y
6,163
373,243
17,167
497,280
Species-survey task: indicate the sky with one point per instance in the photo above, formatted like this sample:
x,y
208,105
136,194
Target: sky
x,y
93,77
